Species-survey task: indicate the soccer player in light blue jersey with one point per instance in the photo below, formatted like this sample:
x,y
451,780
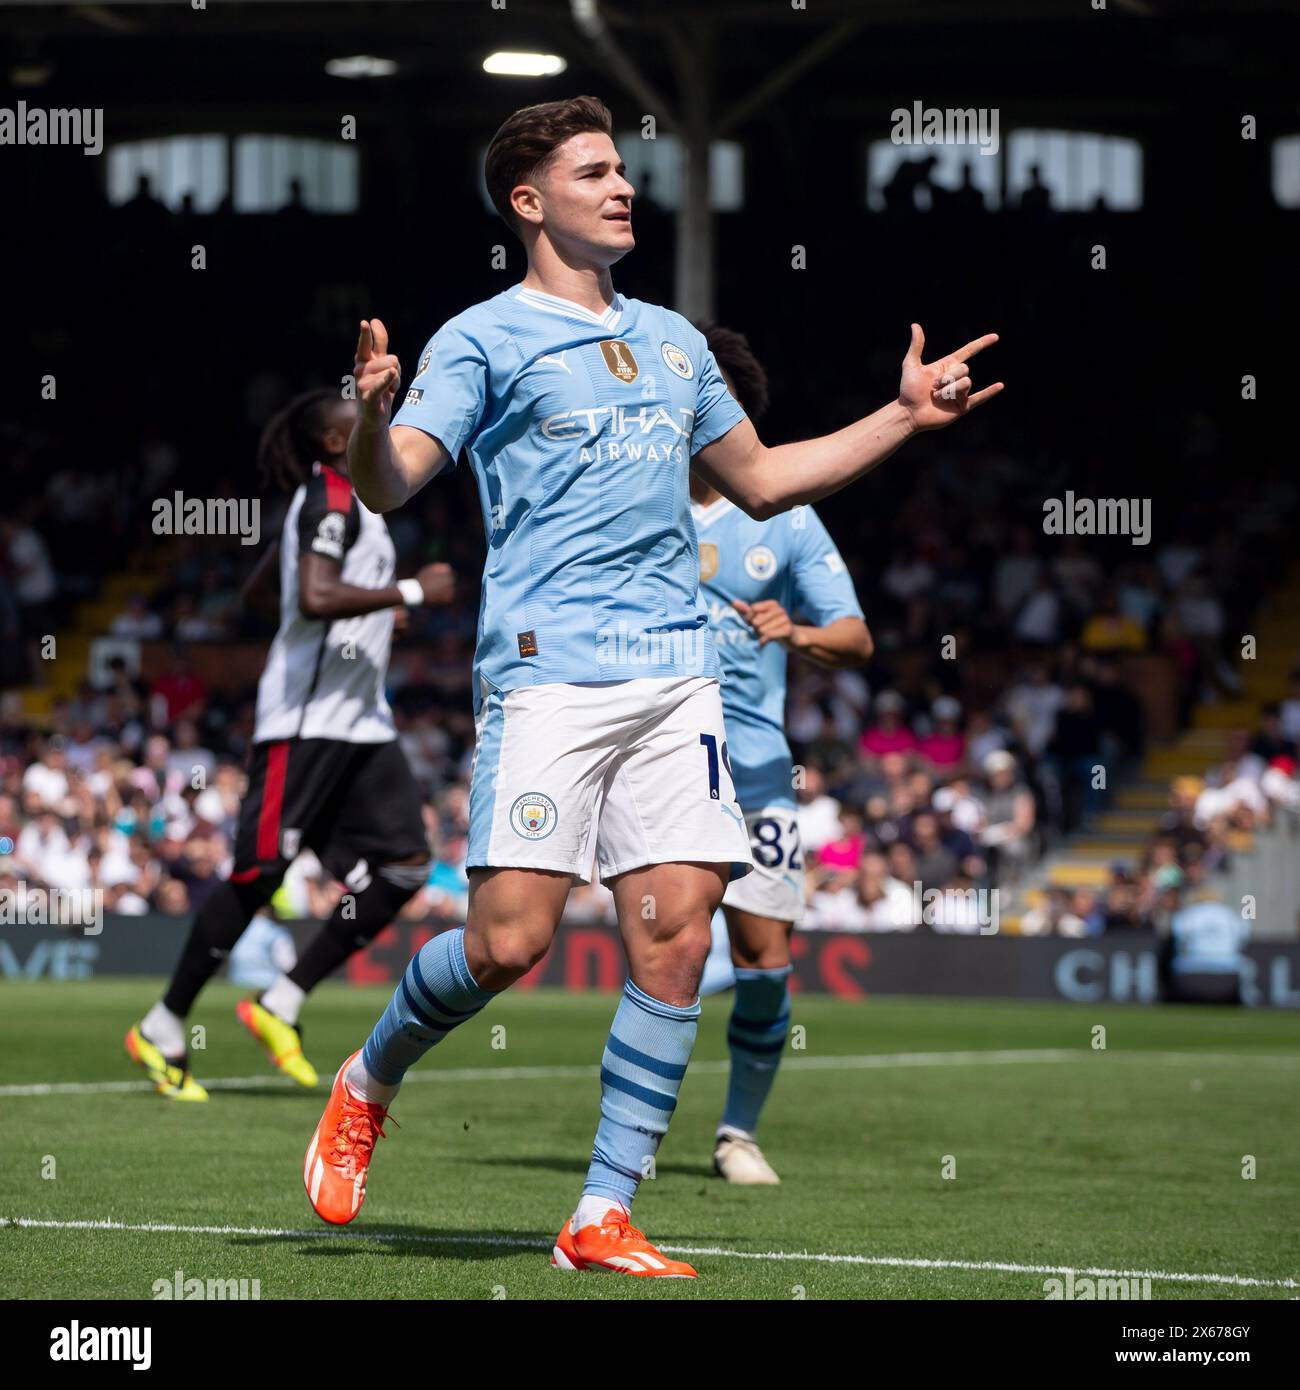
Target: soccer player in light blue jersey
x,y
600,729
755,577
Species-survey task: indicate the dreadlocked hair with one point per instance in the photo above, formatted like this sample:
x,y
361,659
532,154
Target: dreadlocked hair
x,y
735,356
290,443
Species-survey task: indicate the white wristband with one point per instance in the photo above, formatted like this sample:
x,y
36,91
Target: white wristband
x,y
412,594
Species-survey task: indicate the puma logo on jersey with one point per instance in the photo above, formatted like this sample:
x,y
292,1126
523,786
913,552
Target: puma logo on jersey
x,y
552,360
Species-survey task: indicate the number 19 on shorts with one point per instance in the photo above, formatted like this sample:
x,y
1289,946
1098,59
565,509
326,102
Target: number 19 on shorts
x,y
710,743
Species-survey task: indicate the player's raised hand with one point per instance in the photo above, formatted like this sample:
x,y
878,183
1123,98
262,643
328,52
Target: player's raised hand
x,y
771,623
378,373
937,393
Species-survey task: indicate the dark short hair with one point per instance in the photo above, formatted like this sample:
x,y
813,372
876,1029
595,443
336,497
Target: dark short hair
x,y
528,140
735,356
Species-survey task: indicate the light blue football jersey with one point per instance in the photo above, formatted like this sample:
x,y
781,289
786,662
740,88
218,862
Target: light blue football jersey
x,y
793,560
580,428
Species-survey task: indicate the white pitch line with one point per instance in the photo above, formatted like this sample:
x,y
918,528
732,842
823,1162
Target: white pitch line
x,y
866,1062
570,1073
709,1251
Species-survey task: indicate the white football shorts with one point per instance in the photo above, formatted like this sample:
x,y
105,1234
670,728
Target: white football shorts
x,y
775,888
619,773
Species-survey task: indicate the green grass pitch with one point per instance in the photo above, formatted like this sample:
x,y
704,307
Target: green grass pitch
x,y
1062,1156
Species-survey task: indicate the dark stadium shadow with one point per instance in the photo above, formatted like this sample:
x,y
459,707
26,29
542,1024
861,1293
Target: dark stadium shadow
x,y
556,1164
268,1092
405,1241
271,1090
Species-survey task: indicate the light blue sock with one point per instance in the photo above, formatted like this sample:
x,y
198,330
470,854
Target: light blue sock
x,y
435,994
756,1034
641,1072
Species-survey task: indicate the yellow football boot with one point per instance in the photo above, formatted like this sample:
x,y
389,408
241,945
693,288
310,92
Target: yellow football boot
x,y
170,1075
281,1041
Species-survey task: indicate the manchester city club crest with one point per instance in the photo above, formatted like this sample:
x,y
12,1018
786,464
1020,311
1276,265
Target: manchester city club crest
x,y
533,816
677,361
708,561
618,358
760,562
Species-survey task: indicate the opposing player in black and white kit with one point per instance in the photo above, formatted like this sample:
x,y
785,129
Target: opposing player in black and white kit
x,y
326,772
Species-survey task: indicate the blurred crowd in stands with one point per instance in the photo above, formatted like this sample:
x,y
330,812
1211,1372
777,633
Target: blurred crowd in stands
x,y
134,788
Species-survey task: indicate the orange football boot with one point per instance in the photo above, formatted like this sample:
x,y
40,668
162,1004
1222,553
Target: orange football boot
x,y
614,1247
338,1156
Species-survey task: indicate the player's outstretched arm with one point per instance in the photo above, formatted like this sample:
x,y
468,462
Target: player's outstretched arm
x,y
840,643
763,481
387,466
844,643
322,594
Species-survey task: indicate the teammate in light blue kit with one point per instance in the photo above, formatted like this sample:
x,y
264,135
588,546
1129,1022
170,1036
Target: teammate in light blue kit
x,y
755,576
600,728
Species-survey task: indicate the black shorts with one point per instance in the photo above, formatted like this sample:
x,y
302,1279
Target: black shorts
x,y
344,801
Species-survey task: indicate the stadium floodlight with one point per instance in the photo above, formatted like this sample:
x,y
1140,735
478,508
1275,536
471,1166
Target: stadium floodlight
x,y
34,74
361,65
524,64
